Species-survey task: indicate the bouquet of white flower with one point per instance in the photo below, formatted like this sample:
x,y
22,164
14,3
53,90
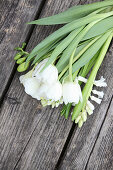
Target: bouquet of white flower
x,y
63,60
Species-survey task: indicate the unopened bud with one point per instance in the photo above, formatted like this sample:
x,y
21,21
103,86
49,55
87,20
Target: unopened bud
x,y
17,56
80,123
21,60
23,67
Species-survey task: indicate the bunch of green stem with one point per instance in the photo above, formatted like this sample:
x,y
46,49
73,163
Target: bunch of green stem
x,y
62,40
96,61
89,85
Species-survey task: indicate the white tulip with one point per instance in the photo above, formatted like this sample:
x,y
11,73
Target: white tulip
x,y
49,75
32,87
71,92
54,91
38,68
23,78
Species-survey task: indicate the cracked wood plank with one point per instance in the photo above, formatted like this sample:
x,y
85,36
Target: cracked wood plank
x,y
14,31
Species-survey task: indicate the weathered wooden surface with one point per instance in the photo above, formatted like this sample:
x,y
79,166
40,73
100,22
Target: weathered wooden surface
x,y
32,137
83,140
13,31
102,155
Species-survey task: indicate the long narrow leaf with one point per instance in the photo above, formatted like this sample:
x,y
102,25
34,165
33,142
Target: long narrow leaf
x,y
66,54
99,28
87,56
71,14
65,30
58,50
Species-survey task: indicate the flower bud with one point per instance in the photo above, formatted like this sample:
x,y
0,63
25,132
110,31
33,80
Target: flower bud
x,y
21,60
23,67
17,56
80,123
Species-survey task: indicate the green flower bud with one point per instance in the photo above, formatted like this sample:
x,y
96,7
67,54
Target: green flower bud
x,y
80,123
77,119
23,45
23,67
17,56
21,60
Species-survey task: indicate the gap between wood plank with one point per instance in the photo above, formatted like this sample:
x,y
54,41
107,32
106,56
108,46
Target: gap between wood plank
x,y
62,155
15,65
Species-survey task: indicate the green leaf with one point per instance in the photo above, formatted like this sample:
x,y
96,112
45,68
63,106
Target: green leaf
x,y
64,43
64,60
42,51
63,32
99,28
71,14
88,55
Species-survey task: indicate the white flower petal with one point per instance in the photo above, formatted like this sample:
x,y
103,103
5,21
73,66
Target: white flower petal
x,y
82,79
26,76
54,91
99,93
89,111
97,100
49,75
100,83
71,92
32,87
90,105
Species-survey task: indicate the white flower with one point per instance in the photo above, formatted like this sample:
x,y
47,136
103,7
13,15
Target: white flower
x,y
54,91
39,67
100,83
71,92
97,100
89,107
23,78
100,94
49,75
32,87
82,79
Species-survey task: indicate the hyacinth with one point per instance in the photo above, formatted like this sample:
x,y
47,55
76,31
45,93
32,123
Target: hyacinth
x,y
63,60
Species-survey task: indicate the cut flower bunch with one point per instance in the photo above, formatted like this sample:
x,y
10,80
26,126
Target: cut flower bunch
x,y
61,62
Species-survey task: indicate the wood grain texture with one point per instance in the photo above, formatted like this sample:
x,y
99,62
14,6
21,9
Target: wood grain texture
x,y
102,155
32,137
14,31
21,117
83,140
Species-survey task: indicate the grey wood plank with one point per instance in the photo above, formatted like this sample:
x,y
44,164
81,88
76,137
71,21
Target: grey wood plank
x,y
83,140
14,31
20,114
102,155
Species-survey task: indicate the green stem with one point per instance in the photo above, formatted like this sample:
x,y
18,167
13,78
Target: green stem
x,y
70,66
88,87
79,55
